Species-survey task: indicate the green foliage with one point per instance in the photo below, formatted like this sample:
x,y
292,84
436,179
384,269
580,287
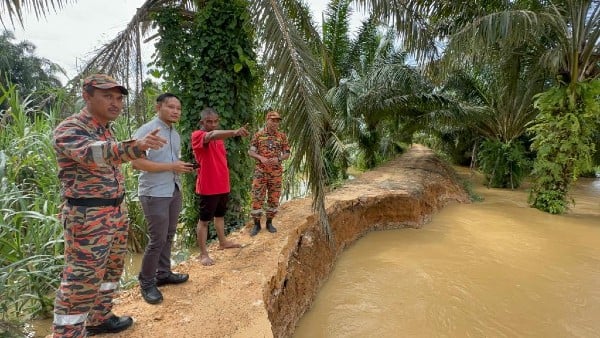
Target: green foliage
x,y
30,233
468,186
563,140
595,171
504,164
138,226
336,41
20,66
208,61
381,109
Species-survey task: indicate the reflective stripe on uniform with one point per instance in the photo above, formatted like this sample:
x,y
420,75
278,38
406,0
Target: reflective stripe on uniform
x,y
97,153
108,286
62,320
256,212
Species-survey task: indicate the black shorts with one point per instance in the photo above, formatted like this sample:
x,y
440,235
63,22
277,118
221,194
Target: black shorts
x,y
212,206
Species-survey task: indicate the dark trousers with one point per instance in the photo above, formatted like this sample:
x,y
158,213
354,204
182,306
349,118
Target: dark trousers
x,y
162,214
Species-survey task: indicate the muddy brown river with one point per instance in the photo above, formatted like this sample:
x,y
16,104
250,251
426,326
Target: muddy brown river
x,y
496,268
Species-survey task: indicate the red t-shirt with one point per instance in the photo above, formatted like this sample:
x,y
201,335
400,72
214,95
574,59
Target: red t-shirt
x,y
213,176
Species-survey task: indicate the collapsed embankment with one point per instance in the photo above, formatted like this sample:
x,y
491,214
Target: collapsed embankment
x,y
263,288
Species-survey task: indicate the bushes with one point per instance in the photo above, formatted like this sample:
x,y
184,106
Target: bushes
x,y
564,131
504,164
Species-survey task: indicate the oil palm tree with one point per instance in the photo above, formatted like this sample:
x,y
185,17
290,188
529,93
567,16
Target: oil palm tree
x,y
20,66
296,76
566,37
382,97
497,109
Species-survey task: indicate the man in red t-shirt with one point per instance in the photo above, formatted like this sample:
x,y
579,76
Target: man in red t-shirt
x,y
212,183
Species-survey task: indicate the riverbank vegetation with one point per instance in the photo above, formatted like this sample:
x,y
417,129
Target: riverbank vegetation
x,y
510,88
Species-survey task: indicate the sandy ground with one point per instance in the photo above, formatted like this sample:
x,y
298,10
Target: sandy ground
x,y
222,300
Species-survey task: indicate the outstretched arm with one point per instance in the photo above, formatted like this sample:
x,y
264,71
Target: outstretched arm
x,y
86,150
223,134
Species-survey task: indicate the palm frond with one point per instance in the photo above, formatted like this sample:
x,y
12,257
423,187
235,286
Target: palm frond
x,y
510,28
567,36
410,19
336,26
122,56
299,15
296,89
363,48
14,9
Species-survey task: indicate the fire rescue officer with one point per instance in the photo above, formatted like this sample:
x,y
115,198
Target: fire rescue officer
x,y
269,147
93,214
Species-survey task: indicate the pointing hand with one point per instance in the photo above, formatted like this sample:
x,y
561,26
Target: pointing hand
x,y
242,131
151,141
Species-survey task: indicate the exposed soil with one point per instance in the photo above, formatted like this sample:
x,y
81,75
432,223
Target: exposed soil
x,y
263,288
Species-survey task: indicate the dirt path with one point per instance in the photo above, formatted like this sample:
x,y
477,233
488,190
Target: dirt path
x,y
231,298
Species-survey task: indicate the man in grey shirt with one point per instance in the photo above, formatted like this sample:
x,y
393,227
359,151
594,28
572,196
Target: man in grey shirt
x,y
160,195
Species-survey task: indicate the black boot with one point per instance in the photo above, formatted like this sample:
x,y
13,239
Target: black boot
x,y
113,324
151,294
256,227
270,226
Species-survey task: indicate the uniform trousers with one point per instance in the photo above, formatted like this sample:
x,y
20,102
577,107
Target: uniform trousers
x,y
95,248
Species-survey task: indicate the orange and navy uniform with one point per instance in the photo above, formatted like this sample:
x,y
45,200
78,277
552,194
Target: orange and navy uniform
x,y
267,178
95,236
89,158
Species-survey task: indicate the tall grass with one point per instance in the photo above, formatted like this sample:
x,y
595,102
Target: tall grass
x,y
31,245
137,240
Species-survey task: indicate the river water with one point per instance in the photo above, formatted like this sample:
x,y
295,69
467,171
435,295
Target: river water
x,y
496,268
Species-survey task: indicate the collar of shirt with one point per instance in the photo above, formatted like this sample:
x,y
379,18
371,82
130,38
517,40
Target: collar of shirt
x,y
92,122
163,124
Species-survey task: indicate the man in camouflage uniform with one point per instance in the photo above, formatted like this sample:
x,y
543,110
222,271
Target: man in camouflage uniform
x,y
94,216
269,147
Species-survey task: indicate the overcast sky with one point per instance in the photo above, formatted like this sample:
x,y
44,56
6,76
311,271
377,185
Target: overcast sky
x,y
69,36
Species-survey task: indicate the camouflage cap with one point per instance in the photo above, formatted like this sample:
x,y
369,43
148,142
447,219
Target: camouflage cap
x,y
273,115
103,81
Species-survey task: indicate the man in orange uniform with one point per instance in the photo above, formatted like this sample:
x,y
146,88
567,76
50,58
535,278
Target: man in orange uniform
x,y
269,147
94,216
